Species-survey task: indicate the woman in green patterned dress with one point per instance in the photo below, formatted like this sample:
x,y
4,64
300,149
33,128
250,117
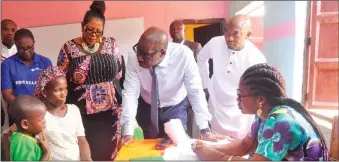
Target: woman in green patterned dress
x,y
283,128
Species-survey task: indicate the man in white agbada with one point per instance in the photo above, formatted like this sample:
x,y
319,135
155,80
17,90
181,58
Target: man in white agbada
x,y
232,54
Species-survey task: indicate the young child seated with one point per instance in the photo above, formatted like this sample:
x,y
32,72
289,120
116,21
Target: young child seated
x,y
64,130
28,113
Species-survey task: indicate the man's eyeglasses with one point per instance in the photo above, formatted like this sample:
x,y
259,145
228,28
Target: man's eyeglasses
x,y
23,49
242,96
90,30
143,54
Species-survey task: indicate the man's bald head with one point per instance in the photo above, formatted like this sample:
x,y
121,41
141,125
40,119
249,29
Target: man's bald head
x,y
238,29
152,47
177,31
240,21
155,38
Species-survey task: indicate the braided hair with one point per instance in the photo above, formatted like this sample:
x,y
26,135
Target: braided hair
x,y
266,80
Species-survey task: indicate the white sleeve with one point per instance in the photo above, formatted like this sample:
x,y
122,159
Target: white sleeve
x,y
195,91
130,95
80,130
202,61
255,57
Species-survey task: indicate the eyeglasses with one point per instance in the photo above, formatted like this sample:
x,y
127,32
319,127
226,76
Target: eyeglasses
x,y
90,30
23,49
143,54
241,96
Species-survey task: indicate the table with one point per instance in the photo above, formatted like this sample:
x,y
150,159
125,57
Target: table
x,y
139,149
146,149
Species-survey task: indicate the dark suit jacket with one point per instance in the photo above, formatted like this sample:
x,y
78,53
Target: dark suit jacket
x,y
194,46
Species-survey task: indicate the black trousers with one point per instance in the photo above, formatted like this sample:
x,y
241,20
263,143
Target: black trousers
x,y
165,114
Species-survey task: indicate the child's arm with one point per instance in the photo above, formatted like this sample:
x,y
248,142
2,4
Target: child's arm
x,y
85,152
45,149
5,141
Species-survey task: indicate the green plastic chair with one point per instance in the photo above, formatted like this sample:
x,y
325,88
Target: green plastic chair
x,y
138,133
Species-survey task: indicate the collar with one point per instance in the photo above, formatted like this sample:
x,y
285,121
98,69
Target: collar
x,y
182,42
35,57
164,62
3,46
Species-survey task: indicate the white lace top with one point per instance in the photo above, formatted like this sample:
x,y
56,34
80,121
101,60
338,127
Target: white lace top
x,y
62,134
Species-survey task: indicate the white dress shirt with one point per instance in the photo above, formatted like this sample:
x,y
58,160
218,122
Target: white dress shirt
x,y
182,42
228,66
5,52
178,76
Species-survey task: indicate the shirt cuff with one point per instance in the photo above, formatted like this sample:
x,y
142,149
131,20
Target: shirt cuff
x,y
203,125
129,130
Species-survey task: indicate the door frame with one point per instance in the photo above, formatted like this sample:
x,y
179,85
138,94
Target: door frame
x,y
307,97
203,21
307,47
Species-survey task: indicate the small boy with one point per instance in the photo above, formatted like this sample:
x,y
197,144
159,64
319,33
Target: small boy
x,y
28,114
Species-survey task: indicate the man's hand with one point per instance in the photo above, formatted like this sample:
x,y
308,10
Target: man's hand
x,y
127,139
209,136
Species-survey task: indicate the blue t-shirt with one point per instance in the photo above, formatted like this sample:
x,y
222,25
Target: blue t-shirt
x,y
17,76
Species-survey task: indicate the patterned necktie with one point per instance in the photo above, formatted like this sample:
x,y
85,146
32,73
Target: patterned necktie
x,y
154,103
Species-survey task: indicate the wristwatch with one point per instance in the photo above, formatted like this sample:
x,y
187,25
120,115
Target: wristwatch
x,y
205,130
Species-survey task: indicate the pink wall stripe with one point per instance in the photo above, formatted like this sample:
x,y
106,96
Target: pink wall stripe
x,y
155,13
279,31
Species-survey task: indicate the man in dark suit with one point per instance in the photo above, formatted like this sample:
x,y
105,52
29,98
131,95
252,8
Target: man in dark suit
x,y
177,32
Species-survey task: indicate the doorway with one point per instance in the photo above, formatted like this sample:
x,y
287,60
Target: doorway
x,y
202,31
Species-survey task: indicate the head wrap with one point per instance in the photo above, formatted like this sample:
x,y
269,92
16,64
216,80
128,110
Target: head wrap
x,y
44,78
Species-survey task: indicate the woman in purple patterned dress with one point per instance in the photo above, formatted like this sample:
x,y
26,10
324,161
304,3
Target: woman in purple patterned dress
x,y
283,128
95,69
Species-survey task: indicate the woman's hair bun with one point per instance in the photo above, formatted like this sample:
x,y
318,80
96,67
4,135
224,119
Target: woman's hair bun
x,y
98,6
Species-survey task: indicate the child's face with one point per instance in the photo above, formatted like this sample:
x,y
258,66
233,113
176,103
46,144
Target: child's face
x,y
56,92
36,122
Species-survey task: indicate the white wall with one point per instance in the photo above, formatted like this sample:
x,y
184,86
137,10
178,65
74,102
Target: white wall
x,y
49,39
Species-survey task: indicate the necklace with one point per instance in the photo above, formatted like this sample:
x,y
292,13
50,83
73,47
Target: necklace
x,y
90,50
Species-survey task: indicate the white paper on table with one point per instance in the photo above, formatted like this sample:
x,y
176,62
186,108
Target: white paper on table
x,y
175,130
183,151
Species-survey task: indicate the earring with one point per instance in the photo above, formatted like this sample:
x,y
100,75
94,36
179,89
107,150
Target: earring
x,y
100,39
259,111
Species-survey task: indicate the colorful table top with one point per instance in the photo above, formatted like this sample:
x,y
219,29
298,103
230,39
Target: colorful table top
x,y
140,150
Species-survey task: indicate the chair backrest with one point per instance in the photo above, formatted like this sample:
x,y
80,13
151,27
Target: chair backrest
x,y
334,150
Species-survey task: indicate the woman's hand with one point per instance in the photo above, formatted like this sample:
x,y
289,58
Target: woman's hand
x,y
198,144
205,151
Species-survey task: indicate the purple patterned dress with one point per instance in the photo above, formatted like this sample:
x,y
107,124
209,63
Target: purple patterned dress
x,y
94,86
